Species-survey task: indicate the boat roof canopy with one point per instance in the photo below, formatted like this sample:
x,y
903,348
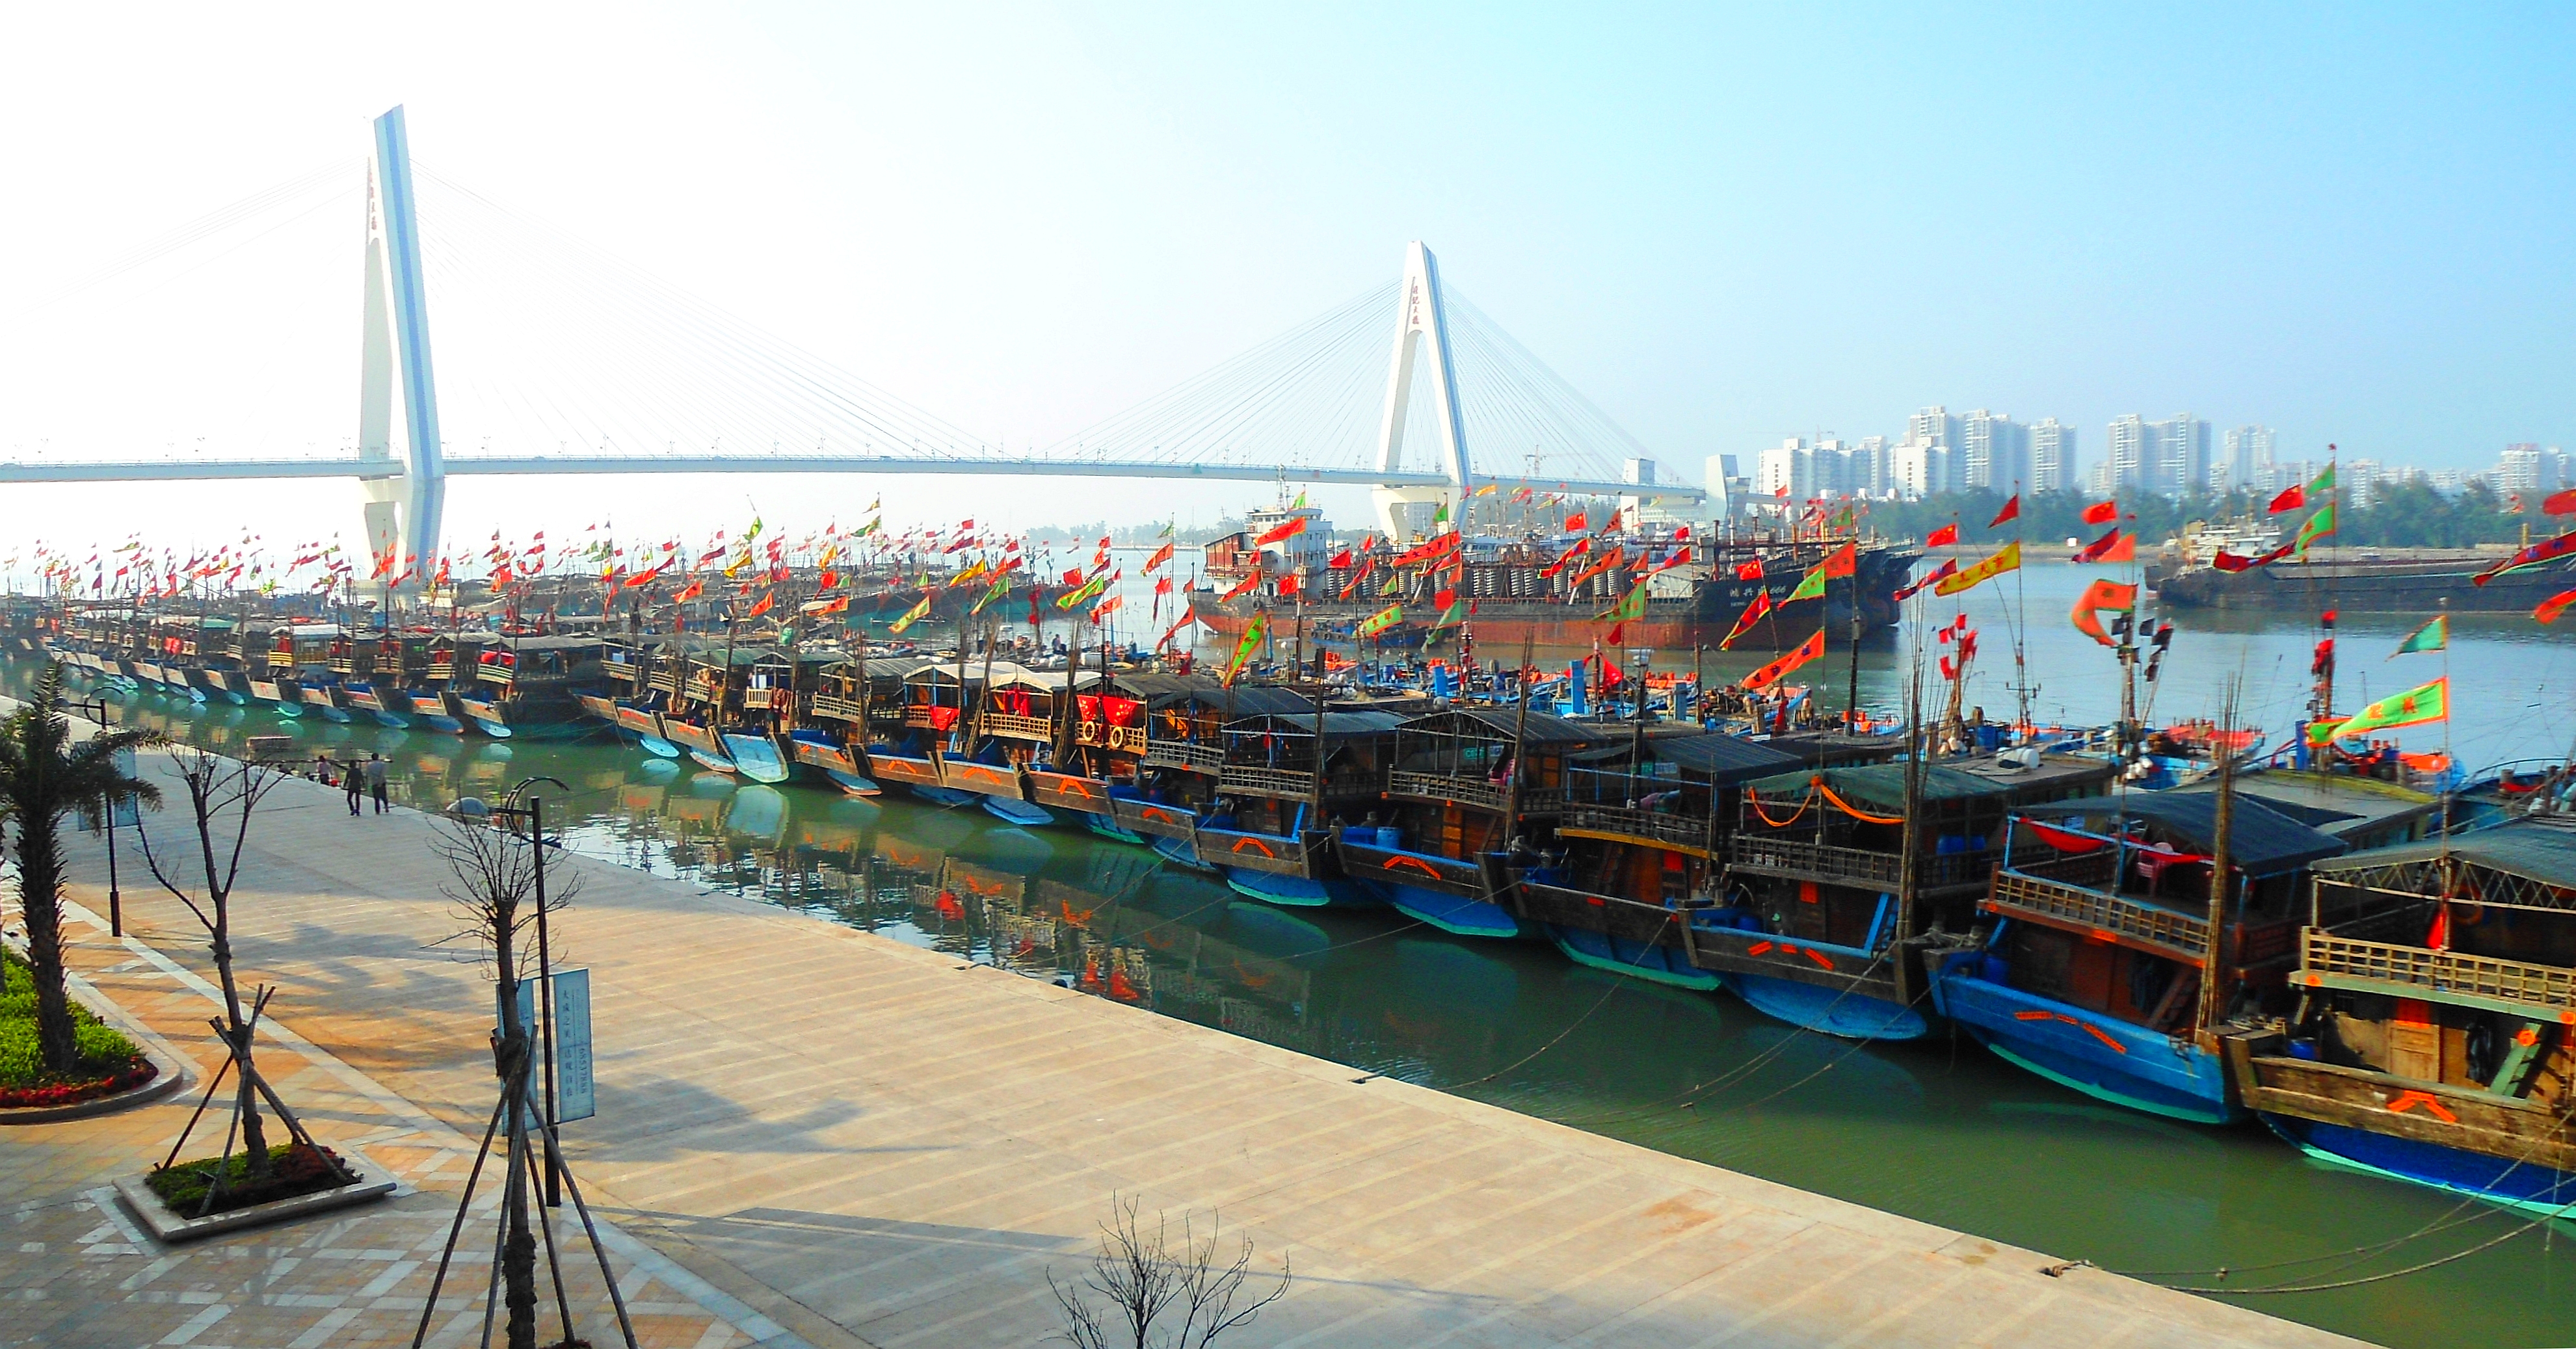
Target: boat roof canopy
x,y
1337,725
1883,784
2535,848
1723,759
2261,841
1483,723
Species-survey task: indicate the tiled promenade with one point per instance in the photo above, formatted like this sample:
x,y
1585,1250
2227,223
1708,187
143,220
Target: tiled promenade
x,y
813,1136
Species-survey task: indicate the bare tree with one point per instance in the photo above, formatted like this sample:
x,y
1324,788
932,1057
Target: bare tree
x,y
498,879
200,871
1144,1280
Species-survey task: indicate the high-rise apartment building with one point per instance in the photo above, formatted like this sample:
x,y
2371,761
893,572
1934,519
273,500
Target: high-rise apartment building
x,y
2528,468
2247,461
1994,451
2170,456
2052,456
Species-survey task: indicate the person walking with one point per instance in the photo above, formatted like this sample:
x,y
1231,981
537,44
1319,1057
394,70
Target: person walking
x,y
322,769
376,781
353,776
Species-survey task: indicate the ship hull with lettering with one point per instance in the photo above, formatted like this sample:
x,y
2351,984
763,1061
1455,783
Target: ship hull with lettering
x,y
1696,604
2422,585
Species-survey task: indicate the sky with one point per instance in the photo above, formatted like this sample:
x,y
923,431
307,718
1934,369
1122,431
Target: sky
x,y
1724,226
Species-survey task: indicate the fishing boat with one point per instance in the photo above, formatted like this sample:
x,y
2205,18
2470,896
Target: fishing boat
x,y
1462,783
2105,970
1631,881
1842,876
2434,1035
1287,784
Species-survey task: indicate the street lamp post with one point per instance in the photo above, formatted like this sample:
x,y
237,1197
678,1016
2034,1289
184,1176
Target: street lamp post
x,y
95,709
535,814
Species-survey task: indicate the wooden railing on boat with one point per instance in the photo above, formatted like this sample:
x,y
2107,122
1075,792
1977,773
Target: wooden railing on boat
x,y
1297,784
838,708
1183,754
2330,961
1685,833
1118,739
1017,727
2163,930
1805,860
1475,791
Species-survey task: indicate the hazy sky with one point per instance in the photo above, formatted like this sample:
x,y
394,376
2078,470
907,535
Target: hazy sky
x,y
1725,227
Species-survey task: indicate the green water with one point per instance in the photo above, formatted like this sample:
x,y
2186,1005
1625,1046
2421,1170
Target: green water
x,y
1938,1131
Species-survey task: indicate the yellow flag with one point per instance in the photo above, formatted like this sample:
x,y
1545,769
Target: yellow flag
x,y
2006,558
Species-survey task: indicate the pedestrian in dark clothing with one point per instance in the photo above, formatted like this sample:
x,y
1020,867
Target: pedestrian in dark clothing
x,y
376,780
353,775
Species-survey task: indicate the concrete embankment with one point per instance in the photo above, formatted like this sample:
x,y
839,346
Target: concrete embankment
x,y
868,1143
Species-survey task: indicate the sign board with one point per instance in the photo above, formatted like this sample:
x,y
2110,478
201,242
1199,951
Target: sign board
x,y
576,1094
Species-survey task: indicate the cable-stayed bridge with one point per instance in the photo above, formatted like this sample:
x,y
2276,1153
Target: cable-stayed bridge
x,y
554,359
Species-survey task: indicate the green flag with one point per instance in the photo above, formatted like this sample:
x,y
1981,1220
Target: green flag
x,y
1253,633
1394,585
2324,481
1441,516
1089,591
1001,586
2433,636
1812,588
1379,622
1299,504
2318,526
1456,615
2414,707
1633,605
919,612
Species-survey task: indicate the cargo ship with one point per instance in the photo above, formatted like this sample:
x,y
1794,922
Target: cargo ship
x,y
1511,595
2350,581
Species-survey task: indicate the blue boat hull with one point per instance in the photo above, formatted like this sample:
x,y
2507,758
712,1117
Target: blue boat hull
x,y
1018,812
756,757
852,783
1457,915
1639,960
2102,1057
2531,1187
1107,827
1179,852
1832,1011
1296,892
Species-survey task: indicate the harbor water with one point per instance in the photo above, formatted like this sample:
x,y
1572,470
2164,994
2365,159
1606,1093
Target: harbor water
x,y
1936,1130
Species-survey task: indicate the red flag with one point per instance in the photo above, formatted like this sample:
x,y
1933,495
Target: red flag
x,y
1243,587
1289,584
1811,649
1761,605
1949,567
2102,512
1943,537
1576,522
2537,553
1749,570
694,589
1437,548
2560,503
1844,561
1162,585
2553,606
1581,546
2227,561
2112,547
2291,498
1073,577
1682,535
830,578
1340,559
763,607
1283,531
1161,556
2011,511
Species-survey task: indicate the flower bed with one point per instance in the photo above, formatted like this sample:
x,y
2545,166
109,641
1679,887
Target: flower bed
x,y
109,1062
294,1170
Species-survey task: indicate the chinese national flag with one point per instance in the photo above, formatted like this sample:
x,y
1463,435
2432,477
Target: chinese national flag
x,y
2291,498
1749,570
1943,537
1576,522
2102,512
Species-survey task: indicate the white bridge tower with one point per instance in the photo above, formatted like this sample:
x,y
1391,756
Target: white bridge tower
x,y
1422,319
402,507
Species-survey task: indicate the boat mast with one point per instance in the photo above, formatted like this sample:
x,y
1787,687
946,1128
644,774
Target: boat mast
x,y
2214,954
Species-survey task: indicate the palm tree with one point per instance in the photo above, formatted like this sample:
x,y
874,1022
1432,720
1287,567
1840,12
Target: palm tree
x,y
44,777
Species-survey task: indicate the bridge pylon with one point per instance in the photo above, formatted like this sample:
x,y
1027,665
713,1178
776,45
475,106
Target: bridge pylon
x,y
403,509
1421,328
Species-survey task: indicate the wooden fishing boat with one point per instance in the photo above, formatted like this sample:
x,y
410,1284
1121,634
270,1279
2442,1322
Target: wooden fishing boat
x,y
1463,785
2434,1034
1636,866
2103,970
1283,783
1837,885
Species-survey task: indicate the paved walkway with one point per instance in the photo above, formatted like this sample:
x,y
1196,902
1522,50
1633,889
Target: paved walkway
x,y
862,1143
